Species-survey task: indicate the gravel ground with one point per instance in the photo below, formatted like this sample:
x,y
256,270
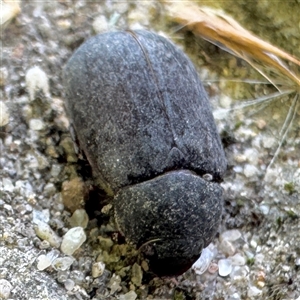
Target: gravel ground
x,y
43,182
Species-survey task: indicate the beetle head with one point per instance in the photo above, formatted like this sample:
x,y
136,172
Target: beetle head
x,y
171,218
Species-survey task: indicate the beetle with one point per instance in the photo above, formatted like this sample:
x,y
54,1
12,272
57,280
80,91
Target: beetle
x,y
144,122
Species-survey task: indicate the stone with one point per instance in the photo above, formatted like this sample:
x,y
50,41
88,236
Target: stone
x,y
114,283
230,235
69,284
100,24
5,288
250,170
36,79
227,248
253,291
225,267
72,240
62,263
79,218
136,275
44,232
128,296
4,114
43,262
98,269
238,260
202,264
36,124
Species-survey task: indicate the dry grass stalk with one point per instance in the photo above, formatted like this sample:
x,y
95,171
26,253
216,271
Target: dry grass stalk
x,y
218,28
9,9
270,61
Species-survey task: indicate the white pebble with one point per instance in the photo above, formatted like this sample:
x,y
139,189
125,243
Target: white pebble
x,y
269,142
100,24
53,254
238,260
72,240
5,289
114,283
234,296
253,243
202,264
239,272
62,263
69,284
36,124
79,218
43,262
253,291
225,101
250,170
225,267
4,114
49,189
36,79
264,209
98,269
7,185
40,215
227,248
230,235
44,232
252,156
128,296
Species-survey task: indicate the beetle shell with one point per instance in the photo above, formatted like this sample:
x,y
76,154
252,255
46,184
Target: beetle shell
x,y
144,121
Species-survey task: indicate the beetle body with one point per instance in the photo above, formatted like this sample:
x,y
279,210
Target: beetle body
x,y
143,119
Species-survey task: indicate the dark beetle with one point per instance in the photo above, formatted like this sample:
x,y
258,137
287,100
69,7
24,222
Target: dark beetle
x,y
144,122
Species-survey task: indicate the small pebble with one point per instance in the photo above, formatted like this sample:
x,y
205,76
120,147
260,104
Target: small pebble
x,y
41,215
72,240
68,146
238,260
44,232
213,268
44,245
100,24
3,79
225,267
36,79
234,296
98,269
105,243
114,283
269,142
225,101
239,272
49,189
43,262
5,289
253,291
227,248
136,275
250,170
4,114
128,296
230,235
69,284
79,218
62,263
7,185
36,124
201,265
